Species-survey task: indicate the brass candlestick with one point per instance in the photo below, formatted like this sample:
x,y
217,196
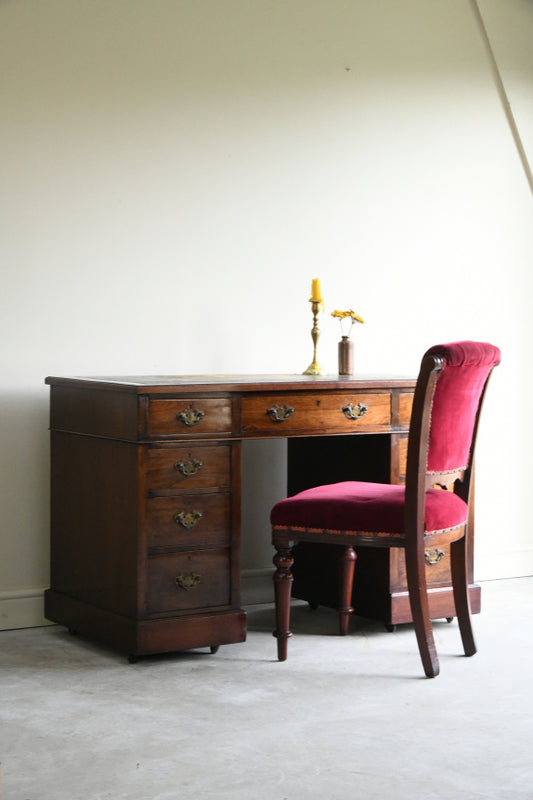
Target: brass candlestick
x,y
314,367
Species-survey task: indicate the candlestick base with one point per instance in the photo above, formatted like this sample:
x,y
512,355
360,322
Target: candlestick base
x,y
314,369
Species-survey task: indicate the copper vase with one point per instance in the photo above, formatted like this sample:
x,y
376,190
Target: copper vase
x,y
346,356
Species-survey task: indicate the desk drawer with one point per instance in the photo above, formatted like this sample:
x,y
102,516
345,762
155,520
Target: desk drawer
x,y
178,523
405,403
315,413
176,469
189,417
184,581
438,567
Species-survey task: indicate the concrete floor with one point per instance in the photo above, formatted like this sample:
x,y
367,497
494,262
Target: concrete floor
x,y
345,718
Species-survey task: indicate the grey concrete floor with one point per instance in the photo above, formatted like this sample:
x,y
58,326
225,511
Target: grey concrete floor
x,y
344,718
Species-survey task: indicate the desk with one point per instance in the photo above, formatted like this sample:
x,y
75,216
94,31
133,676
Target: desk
x,y
146,495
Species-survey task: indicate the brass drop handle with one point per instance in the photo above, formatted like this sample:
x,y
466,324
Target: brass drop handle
x,y
434,556
188,580
188,519
189,468
190,416
280,413
354,410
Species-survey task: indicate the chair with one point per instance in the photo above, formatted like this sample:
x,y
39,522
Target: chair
x,y
430,511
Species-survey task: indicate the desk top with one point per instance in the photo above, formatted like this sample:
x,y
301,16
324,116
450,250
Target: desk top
x,y
145,384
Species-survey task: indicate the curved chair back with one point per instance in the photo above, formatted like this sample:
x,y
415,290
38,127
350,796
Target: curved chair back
x,y
456,402
446,409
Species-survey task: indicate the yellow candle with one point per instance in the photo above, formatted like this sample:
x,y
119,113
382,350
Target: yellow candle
x,y
316,292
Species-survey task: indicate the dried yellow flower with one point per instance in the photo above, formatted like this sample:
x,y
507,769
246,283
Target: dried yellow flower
x,y
350,313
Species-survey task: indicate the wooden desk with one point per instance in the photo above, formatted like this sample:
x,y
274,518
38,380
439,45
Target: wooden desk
x,y
146,494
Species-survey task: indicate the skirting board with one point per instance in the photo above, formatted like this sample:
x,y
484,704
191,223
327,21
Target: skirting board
x,y
506,564
22,608
257,587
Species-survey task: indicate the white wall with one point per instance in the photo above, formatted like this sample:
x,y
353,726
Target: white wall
x,y
174,174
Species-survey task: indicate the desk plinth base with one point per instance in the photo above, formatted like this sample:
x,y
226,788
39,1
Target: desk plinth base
x,y
380,587
146,637
395,609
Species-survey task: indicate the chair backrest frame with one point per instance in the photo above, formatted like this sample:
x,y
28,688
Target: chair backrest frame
x,y
418,478
418,445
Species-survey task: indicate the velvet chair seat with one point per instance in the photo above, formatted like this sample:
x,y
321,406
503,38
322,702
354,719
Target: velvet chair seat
x,y
366,509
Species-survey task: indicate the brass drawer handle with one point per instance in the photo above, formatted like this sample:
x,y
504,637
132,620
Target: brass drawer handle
x,y
189,468
190,416
188,519
354,411
280,414
434,556
188,580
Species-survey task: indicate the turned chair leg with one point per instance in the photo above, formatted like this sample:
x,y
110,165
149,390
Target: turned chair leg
x,y
416,583
283,561
346,572
459,570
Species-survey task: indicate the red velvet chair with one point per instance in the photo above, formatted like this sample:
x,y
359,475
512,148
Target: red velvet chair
x,y
430,511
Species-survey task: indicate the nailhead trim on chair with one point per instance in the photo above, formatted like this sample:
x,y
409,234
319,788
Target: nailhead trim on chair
x,y
365,534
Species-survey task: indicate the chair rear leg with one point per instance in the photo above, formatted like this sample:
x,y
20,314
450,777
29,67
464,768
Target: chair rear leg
x,y
416,582
459,570
346,572
283,579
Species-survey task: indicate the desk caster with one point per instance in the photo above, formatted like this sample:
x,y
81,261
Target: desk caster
x,y
214,648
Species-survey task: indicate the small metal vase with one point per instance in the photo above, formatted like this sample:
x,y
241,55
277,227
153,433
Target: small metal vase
x,y
346,356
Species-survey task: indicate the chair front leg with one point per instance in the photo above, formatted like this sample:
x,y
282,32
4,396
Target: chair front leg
x,y
459,569
283,579
418,597
346,572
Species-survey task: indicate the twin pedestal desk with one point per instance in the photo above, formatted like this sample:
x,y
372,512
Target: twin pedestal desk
x,y
146,497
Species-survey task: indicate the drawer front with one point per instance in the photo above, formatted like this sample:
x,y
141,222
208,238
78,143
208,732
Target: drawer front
x,y
438,570
185,581
184,468
189,417
202,520
405,403
301,412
